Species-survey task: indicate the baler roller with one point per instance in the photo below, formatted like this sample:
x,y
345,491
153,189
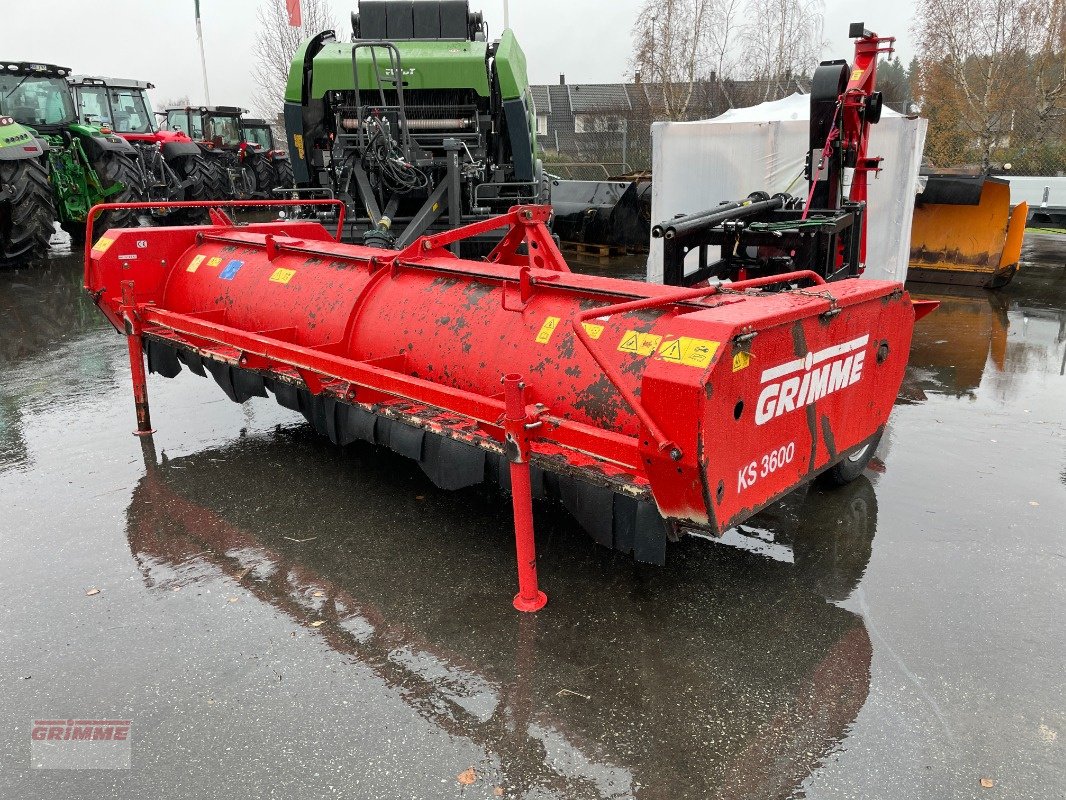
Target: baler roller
x,y
635,403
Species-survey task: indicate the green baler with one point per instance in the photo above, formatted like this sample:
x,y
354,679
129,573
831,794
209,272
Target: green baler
x,y
419,123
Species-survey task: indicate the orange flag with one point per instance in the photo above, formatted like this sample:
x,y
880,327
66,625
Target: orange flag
x,y
295,19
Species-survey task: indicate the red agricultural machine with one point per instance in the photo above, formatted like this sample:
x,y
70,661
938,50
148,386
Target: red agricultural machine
x,y
645,409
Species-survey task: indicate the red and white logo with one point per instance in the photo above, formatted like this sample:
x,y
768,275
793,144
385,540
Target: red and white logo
x,y
80,743
80,730
823,372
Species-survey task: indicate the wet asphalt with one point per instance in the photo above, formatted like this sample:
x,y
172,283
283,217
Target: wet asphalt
x,y
282,618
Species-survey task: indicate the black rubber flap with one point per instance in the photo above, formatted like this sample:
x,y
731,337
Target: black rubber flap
x,y
592,506
193,361
451,464
162,358
239,385
406,440
360,425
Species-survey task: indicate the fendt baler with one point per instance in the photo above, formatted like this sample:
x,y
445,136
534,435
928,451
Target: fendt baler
x,y
418,124
645,409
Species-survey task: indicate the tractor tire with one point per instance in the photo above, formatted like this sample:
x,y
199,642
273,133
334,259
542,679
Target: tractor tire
x,y
283,168
853,464
27,222
259,176
114,168
215,180
195,168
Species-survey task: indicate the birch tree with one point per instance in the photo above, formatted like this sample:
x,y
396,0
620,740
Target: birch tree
x,y
276,42
677,44
976,67
782,41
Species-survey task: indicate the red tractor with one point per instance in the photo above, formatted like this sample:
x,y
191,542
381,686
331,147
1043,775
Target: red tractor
x,y
259,132
171,162
245,165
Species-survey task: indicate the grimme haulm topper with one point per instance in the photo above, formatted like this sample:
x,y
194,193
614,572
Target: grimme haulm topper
x,y
645,408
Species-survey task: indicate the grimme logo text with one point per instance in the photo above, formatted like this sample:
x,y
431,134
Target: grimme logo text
x,y
84,730
824,372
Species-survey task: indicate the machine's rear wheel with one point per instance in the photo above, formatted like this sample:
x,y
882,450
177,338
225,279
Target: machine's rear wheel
x,y
27,221
853,464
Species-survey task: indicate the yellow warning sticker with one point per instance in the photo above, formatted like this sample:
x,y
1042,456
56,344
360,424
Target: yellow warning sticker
x,y
688,351
547,329
594,331
298,140
741,361
102,244
195,264
282,275
214,262
856,74
643,344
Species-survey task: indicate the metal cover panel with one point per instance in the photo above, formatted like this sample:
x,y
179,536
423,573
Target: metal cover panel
x,y
399,22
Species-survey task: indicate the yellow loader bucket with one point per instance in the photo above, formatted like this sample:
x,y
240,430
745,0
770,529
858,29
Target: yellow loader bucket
x,y
964,232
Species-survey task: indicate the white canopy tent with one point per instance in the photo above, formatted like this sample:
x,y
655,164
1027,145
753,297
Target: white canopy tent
x,y
699,164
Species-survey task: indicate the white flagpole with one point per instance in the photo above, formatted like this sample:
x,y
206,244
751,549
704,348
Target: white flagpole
x,y
203,58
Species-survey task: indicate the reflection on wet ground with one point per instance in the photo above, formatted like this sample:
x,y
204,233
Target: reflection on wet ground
x,y
279,616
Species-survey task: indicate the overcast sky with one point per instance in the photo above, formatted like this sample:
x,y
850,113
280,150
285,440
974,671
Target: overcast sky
x,y
155,40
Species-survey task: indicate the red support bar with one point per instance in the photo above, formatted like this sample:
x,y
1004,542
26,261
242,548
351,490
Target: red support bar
x,y
516,418
611,446
136,348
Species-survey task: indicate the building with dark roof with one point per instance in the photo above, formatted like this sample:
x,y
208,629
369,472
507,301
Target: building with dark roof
x,y
610,123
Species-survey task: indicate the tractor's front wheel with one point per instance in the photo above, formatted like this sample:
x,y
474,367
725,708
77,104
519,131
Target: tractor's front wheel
x,y
27,218
114,169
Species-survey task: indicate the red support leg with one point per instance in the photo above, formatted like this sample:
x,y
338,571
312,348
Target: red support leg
x,y
529,597
137,371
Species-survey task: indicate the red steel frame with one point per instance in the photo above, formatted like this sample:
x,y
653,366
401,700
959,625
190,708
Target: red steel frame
x,y
509,419
506,417
855,127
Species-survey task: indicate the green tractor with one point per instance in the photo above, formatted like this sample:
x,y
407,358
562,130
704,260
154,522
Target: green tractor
x,y
418,124
27,213
87,164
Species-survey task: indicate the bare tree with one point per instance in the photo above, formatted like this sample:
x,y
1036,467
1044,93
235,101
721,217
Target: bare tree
x,y
782,41
677,43
1050,70
177,102
976,65
275,44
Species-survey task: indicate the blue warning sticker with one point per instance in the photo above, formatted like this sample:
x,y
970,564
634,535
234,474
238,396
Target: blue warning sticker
x,y
231,269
